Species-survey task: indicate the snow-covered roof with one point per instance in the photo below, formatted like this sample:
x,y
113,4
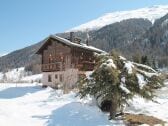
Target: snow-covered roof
x,y
69,43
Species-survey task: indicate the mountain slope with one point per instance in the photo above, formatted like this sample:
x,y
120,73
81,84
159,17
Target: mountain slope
x,y
154,42
119,35
127,36
107,38
150,13
20,58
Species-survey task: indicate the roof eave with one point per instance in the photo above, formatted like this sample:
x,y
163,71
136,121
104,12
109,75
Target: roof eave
x,y
68,43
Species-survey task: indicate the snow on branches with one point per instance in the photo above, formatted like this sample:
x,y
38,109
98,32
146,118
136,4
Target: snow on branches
x,y
116,79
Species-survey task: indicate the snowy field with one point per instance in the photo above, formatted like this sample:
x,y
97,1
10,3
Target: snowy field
x,y
31,105
19,75
158,109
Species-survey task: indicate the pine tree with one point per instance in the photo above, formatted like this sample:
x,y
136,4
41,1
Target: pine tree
x,y
137,57
117,80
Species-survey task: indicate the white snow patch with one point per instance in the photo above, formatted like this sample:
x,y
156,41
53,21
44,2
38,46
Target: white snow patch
x,y
145,66
140,106
3,54
150,13
31,105
88,73
123,86
148,74
144,125
81,45
141,80
19,75
15,74
32,78
109,64
122,58
128,65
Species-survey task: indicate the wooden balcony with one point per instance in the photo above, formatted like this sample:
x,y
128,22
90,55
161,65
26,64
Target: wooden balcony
x,y
58,66
86,66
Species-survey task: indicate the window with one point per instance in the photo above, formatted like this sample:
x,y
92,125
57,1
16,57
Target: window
x,y
56,76
50,59
49,78
61,77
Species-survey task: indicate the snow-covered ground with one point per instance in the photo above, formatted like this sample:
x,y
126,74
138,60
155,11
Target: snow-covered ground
x,y
30,105
32,78
15,74
158,109
19,75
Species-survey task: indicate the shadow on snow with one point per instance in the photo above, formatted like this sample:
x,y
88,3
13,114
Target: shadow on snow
x,y
76,114
14,92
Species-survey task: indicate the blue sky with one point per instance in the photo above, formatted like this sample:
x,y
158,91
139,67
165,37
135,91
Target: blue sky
x,y
25,22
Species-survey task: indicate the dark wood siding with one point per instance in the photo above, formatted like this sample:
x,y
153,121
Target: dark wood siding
x,y
57,57
82,59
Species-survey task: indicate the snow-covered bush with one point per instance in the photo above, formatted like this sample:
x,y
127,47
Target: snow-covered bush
x,y
19,75
117,80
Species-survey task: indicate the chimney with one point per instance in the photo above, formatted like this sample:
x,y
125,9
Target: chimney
x,y
72,36
87,40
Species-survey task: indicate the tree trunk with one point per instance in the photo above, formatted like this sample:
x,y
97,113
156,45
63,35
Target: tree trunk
x,y
113,108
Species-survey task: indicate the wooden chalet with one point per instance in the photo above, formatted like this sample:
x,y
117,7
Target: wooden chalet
x,y
64,60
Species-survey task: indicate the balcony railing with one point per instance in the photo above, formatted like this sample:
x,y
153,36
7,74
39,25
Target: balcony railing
x,y
86,66
58,66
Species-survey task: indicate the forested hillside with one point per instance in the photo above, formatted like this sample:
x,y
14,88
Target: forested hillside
x,y
154,42
21,58
129,37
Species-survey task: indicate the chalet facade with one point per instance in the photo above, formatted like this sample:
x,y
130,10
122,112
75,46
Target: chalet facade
x,y
63,60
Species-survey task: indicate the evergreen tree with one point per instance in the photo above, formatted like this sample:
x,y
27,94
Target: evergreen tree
x,y
117,80
145,60
137,57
